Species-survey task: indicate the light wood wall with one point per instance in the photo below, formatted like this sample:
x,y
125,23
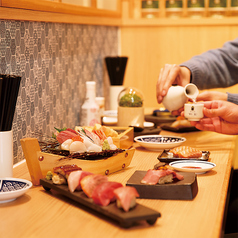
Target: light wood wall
x,y
150,47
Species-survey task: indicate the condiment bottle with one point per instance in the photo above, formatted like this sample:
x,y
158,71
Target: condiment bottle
x,y
90,109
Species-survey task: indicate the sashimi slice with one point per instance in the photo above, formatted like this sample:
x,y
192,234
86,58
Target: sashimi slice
x,y
75,178
103,194
90,182
65,135
126,197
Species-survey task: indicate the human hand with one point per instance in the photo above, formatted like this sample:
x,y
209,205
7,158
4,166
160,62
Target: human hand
x,y
219,116
211,95
171,74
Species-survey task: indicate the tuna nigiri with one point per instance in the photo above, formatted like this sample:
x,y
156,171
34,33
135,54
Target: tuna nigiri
x,y
126,197
90,182
153,177
103,194
75,178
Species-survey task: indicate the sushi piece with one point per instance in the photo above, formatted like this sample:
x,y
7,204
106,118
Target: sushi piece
x,y
65,170
126,197
153,177
75,178
103,194
186,152
59,179
90,182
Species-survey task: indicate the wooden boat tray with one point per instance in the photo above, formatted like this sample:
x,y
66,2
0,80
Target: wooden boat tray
x,y
125,219
181,190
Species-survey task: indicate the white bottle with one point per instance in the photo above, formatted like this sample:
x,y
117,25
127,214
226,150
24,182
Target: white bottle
x,y
90,109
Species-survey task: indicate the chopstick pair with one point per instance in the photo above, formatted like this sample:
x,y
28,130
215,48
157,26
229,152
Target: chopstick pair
x,y
9,87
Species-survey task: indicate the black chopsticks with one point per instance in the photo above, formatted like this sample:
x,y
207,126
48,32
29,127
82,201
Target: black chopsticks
x,y
9,87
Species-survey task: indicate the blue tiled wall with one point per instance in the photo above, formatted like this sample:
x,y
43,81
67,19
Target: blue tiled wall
x,y
54,60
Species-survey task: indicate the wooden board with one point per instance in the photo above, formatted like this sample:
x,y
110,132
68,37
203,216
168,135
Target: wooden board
x,y
182,190
125,219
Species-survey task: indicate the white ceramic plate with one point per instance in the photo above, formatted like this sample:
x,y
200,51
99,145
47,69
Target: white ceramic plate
x,y
112,121
110,113
158,142
12,188
195,166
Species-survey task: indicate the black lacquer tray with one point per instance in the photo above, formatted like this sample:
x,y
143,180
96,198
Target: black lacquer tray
x,y
167,157
125,219
180,190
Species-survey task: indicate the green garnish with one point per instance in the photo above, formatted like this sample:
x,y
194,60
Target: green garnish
x,y
130,100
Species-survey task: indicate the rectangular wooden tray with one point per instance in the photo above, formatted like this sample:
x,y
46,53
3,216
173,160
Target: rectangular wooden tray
x,y
125,219
167,157
181,190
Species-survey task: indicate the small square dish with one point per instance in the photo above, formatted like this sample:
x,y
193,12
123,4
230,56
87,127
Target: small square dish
x,y
168,157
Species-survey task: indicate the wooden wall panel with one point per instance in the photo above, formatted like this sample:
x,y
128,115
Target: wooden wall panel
x,y
150,47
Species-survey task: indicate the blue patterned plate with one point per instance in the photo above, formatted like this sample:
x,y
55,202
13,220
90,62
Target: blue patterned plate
x,y
159,142
12,188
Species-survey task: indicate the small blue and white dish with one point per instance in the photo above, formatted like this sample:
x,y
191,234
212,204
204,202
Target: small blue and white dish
x,y
159,142
12,188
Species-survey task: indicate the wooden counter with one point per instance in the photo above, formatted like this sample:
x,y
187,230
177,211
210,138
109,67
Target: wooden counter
x,y
42,214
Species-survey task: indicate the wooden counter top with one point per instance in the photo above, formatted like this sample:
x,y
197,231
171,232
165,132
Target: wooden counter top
x,y
42,214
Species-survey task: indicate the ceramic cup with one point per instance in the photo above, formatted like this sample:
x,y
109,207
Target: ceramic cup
x,y
6,154
193,111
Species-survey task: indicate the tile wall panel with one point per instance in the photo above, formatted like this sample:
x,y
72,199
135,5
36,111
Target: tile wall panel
x,y
54,60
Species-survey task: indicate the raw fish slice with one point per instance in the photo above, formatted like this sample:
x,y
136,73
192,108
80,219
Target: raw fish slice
x,y
77,147
65,135
152,176
75,178
176,175
90,182
186,152
126,197
103,194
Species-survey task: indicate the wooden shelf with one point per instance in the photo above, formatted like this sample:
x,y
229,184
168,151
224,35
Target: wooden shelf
x,y
56,11
226,21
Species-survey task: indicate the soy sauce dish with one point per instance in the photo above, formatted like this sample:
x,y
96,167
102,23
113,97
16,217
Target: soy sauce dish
x,y
158,142
12,188
198,167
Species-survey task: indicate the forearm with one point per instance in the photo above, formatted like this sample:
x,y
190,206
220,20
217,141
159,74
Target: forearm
x,y
215,68
232,97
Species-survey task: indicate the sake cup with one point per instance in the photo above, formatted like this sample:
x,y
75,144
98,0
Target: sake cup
x,y
193,111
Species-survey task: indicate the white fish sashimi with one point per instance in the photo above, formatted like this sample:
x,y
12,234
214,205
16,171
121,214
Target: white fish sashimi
x,y
94,148
77,147
110,142
66,144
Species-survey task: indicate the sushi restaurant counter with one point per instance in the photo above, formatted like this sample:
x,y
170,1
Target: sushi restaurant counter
x,y
47,214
